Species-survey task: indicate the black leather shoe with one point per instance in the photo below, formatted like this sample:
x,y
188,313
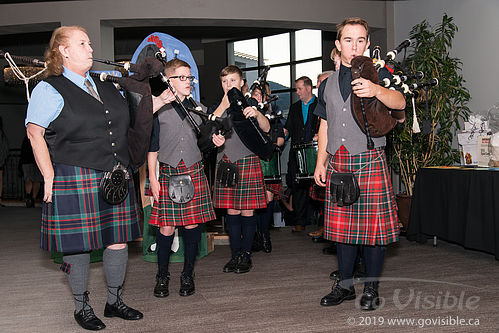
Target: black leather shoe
x,y
370,298
161,287
120,309
267,244
231,265
338,295
88,320
335,276
244,263
330,250
318,239
187,287
257,242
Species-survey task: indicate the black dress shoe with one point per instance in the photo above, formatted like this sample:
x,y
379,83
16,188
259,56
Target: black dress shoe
x,y
267,244
244,263
187,287
161,287
87,319
257,242
231,265
370,297
318,239
120,309
338,295
335,276
330,250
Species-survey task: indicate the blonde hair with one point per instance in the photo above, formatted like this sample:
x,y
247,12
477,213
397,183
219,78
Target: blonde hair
x,y
53,57
172,65
231,69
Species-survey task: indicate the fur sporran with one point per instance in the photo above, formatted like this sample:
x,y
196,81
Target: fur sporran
x,y
180,188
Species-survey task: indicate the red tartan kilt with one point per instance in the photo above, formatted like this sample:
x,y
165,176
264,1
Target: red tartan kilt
x,y
249,193
317,192
276,189
372,219
198,210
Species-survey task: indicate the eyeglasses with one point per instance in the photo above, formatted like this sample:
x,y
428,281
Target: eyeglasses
x,y
183,77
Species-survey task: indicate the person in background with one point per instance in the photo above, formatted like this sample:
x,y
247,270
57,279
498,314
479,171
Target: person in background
x,y
31,174
4,153
273,191
302,126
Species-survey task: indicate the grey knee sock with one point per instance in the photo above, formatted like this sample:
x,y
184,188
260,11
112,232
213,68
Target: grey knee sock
x,y
78,276
114,268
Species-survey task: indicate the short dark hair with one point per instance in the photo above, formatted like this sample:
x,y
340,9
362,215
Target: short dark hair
x,y
306,80
351,21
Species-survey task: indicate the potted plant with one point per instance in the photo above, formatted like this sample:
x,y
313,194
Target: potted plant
x,y
447,105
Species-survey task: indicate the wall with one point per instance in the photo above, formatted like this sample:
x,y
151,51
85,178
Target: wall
x,y
475,42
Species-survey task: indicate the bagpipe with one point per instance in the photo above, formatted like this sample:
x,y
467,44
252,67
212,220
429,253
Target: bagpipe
x,y
371,115
210,124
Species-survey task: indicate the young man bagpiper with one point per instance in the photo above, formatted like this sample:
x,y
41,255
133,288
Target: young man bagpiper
x,y
371,221
248,193
182,196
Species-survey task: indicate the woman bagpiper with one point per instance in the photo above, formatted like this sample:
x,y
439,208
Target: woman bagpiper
x,y
248,194
78,131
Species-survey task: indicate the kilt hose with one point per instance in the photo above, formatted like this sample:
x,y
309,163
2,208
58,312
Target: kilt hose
x,y
79,220
249,193
198,210
372,219
276,189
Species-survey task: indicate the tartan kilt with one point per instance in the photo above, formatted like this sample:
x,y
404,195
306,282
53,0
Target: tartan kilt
x,y
198,210
249,193
372,220
317,192
276,189
79,220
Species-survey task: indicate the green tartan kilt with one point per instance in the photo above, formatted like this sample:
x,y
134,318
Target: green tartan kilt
x,y
79,220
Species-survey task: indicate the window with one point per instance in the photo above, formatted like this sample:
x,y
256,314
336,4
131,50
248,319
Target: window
x,y
290,55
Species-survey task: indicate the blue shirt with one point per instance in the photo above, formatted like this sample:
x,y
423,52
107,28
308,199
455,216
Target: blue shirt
x,y
304,108
46,103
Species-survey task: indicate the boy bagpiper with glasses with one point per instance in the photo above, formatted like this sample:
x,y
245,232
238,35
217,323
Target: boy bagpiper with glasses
x,y
174,145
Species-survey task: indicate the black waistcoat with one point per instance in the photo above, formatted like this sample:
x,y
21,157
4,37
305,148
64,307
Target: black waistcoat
x,y
88,133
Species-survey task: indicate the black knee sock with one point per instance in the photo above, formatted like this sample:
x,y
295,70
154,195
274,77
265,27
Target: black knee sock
x,y
191,242
164,249
346,254
266,217
78,276
374,256
234,229
248,229
115,269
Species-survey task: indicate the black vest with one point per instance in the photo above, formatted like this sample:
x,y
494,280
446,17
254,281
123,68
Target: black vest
x,y
88,133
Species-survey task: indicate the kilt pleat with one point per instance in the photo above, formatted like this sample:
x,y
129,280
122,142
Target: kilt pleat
x,y
78,219
249,193
276,189
372,220
198,210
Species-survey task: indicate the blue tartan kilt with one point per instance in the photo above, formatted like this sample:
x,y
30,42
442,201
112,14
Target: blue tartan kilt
x,y
78,219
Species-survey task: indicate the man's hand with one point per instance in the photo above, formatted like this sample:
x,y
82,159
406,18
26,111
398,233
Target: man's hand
x,y
320,175
364,88
218,139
